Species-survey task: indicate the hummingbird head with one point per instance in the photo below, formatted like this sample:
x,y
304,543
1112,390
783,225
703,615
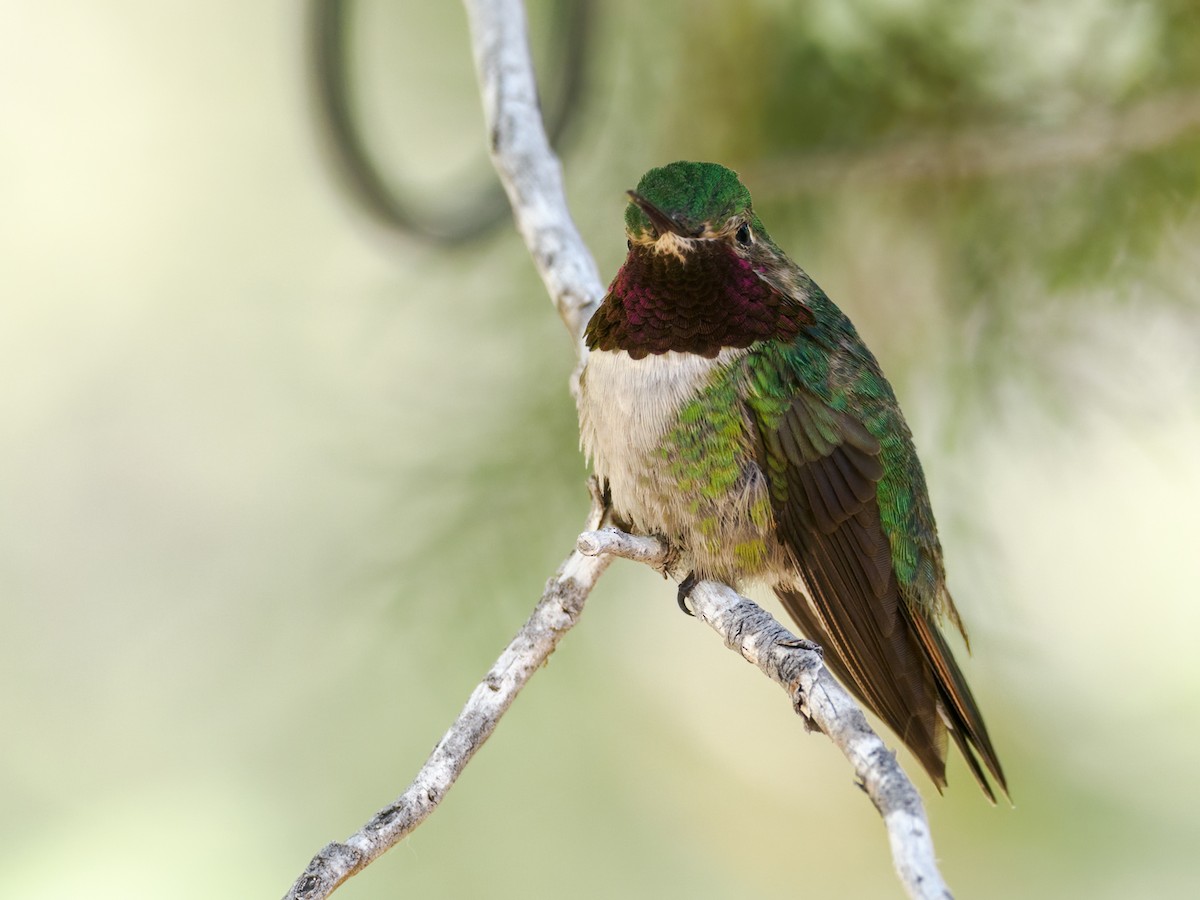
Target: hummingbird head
x,y
676,206
701,275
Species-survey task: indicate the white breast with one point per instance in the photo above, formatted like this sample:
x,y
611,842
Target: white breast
x,y
626,406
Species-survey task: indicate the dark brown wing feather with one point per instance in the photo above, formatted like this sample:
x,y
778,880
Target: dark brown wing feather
x,y
891,656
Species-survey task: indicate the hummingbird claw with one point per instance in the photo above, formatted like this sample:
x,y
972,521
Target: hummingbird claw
x,y
670,557
685,588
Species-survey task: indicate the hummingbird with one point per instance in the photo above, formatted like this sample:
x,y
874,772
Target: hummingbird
x,y
731,409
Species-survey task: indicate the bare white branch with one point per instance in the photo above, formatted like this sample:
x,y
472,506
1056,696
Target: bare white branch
x,y
555,615
525,163
796,665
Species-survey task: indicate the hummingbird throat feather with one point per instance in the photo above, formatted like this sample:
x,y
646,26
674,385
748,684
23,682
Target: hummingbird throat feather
x,y
702,301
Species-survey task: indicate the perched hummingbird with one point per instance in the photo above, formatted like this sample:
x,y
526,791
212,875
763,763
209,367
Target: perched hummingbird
x,y
732,409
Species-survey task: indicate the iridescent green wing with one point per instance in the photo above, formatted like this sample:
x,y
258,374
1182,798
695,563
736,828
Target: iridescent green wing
x,y
830,477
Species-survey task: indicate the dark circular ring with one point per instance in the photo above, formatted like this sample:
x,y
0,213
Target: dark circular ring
x,y
329,28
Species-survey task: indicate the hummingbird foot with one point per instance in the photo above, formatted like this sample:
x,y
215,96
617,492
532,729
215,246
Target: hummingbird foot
x,y
685,588
671,555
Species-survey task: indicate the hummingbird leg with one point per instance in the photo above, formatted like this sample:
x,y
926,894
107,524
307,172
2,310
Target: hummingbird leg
x,y
602,506
601,502
685,588
619,523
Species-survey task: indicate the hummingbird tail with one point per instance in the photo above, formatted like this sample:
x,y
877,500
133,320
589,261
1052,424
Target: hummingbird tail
x,y
909,680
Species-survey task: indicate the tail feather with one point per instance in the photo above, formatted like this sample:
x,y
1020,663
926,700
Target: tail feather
x,y
911,681
965,720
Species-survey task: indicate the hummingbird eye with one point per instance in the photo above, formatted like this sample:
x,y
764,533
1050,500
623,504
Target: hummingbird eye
x,y
628,244
744,237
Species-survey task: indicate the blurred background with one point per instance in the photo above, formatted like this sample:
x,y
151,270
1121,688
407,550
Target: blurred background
x,y
281,473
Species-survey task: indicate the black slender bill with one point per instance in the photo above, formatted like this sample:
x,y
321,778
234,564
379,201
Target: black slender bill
x,y
660,219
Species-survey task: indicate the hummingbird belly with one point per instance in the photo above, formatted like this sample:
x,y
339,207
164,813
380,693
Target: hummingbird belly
x,y
669,434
